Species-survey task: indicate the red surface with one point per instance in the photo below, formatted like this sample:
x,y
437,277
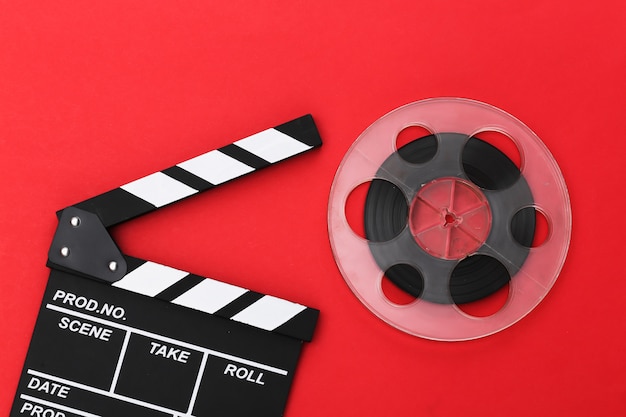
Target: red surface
x,y
94,94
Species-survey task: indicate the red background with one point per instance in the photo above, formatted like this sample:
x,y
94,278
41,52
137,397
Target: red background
x,y
95,94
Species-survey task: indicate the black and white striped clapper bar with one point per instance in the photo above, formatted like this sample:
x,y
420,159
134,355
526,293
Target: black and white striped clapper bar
x,y
119,336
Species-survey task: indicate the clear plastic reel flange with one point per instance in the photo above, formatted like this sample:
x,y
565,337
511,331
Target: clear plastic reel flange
x,y
539,270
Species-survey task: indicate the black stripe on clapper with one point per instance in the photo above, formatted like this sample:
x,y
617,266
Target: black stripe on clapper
x,y
244,156
115,206
245,300
303,129
132,263
187,178
180,287
299,326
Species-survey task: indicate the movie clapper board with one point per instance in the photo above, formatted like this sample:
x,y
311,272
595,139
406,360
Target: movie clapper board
x,y
119,336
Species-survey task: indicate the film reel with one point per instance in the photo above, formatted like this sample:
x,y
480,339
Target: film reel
x,y
450,219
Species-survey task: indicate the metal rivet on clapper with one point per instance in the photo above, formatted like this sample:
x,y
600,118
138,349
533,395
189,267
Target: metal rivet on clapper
x,y
75,221
113,266
65,251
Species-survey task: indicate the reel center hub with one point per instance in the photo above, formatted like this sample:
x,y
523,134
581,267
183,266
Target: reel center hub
x,y
450,218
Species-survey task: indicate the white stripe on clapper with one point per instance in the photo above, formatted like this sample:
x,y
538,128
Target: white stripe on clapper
x,y
159,189
215,167
150,279
209,296
268,312
272,145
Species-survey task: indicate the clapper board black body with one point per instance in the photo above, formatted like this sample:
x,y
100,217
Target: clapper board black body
x,y
118,336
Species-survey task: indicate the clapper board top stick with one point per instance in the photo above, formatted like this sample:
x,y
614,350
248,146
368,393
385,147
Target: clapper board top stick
x,y
120,336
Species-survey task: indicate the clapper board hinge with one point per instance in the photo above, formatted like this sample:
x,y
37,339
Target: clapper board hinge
x,y
82,245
